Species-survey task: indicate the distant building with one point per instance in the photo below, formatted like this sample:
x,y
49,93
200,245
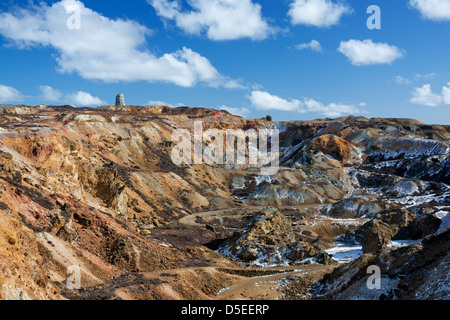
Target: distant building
x,y
120,100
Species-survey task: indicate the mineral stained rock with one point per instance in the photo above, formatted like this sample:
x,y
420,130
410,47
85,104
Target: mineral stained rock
x,y
268,240
97,189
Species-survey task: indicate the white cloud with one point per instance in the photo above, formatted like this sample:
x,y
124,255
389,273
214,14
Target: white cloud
x,y
163,103
437,10
402,80
9,94
266,101
313,45
446,94
318,13
104,49
431,75
368,53
417,77
425,96
236,111
81,98
219,19
330,110
158,103
48,94
84,99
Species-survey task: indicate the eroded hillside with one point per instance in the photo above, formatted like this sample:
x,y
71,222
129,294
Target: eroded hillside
x,y
97,189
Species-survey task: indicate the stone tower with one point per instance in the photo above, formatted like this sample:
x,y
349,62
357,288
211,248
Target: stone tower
x,y
120,100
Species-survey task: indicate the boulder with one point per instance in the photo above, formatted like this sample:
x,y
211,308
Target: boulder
x,y
403,188
374,235
401,224
355,208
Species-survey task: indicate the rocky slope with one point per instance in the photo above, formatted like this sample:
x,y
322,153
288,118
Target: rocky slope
x,y
269,240
97,189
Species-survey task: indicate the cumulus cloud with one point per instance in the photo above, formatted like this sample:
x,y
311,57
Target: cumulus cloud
x,y
80,98
425,96
218,19
48,94
331,109
318,13
236,111
265,101
104,49
446,94
9,94
312,45
437,10
367,52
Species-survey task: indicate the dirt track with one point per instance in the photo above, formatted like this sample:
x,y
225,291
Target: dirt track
x,y
240,283
269,287
191,219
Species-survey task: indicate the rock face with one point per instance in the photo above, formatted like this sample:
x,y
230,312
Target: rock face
x,y
335,147
376,234
418,271
268,239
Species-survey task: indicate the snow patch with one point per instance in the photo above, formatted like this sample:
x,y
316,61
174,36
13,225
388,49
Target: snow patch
x,y
445,221
345,252
402,243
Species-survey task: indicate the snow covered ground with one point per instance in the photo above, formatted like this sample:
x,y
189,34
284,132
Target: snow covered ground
x,y
402,243
345,252
445,220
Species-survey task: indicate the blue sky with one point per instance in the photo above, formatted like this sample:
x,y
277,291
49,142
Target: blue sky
x,y
292,59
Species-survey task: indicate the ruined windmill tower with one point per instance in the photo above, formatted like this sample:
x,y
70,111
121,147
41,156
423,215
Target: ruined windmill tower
x,y
120,100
